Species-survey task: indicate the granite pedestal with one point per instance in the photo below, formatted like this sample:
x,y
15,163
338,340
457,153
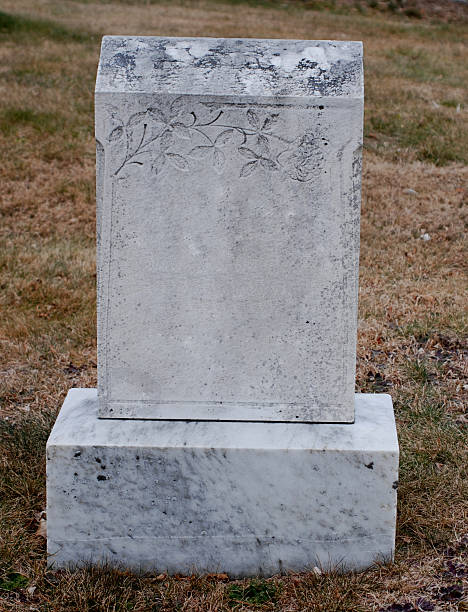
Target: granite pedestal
x,y
241,498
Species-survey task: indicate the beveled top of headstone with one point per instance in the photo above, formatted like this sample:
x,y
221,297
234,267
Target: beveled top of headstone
x,y
216,66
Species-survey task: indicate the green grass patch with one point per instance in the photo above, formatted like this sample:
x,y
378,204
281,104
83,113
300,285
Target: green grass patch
x,y
418,371
425,409
452,104
12,118
255,592
22,445
418,64
34,77
71,190
434,136
57,295
22,491
13,581
23,29
450,331
432,466
422,329
300,5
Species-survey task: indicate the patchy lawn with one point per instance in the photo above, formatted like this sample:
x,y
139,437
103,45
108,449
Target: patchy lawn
x,y
413,285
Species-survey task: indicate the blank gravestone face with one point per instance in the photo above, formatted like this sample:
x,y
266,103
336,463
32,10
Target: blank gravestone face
x,y
228,228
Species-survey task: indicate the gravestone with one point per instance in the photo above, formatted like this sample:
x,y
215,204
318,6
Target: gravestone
x,y
225,434
229,192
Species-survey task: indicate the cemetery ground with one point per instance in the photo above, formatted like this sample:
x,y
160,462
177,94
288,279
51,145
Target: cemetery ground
x,y
412,308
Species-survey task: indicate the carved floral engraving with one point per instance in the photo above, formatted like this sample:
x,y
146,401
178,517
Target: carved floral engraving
x,y
175,136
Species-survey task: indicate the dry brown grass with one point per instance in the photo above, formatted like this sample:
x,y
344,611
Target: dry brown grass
x,y
413,324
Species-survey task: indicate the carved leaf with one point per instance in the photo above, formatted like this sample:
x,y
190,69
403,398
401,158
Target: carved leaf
x,y
157,163
200,152
246,152
224,138
157,114
177,106
263,144
153,132
114,112
269,164
252,118
248,168
116,134
165,140
270,122
301,160
135,119
219,160
177,161
181,130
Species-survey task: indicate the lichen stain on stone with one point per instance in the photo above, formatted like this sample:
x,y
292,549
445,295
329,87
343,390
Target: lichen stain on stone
x,y
298,68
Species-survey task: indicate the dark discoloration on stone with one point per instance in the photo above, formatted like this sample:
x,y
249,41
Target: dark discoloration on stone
x,y
241,494
244,66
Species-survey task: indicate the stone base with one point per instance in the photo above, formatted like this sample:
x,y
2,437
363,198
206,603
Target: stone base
x,y
242,498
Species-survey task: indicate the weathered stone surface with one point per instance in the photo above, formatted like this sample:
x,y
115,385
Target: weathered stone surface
x,y
228,218
244,498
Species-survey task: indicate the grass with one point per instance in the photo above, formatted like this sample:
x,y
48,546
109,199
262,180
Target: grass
x,y
412,317
255,592
22,29
13,118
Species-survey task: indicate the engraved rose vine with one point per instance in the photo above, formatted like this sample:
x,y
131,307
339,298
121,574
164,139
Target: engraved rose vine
x,y
155,134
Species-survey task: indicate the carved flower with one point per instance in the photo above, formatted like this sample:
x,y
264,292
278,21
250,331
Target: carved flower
x,y
303,159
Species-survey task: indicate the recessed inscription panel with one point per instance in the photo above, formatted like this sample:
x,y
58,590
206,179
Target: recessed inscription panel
x,y
228,257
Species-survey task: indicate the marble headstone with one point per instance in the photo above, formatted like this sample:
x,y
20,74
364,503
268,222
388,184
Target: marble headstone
x,y
228,224
228,228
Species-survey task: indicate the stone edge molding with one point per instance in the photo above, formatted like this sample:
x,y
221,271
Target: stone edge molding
x,y
242,498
